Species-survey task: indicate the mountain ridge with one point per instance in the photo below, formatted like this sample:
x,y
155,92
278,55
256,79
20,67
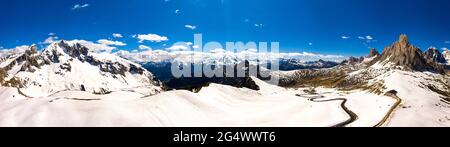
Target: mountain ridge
x,y
405,55
68,65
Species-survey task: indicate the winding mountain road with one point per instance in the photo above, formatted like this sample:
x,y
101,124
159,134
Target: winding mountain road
x,y
392,94
353,116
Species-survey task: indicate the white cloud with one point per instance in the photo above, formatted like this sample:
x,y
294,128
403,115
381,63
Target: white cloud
x,y
252,50
117,35
144,47
310,44
369,37
192,27
51,34
111,43
361,37
151,37
177,11
189,43
259,25
447,42
445,49
345,37
177,48
195,46
50,40
79,6
13,51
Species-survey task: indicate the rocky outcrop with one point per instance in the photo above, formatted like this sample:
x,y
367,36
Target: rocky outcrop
x,y
28,59
434,55
408,57
373,57
373,53
79,52
232,79
352,61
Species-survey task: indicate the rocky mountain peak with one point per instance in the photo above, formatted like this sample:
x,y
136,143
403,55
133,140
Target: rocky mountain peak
x,y
33,49
403,40
69,65
434,55
73,49
373,53
408,57
352,60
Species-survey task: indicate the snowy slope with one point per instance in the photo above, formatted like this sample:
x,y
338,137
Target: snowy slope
x,y
216,105
421,106
67,65
424,95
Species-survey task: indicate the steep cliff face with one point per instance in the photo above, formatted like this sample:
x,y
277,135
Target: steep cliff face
x,y
408,57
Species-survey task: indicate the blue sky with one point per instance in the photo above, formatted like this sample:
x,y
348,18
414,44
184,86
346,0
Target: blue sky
x,y
345,27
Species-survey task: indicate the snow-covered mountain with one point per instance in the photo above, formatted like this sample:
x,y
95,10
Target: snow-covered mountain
x,y
296,64
68,65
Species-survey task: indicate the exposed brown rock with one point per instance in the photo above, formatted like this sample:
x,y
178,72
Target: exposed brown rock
x,y
373,53
405,55
352,60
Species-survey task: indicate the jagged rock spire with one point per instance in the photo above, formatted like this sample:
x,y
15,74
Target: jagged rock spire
x,y
373,53
403,39
403,54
